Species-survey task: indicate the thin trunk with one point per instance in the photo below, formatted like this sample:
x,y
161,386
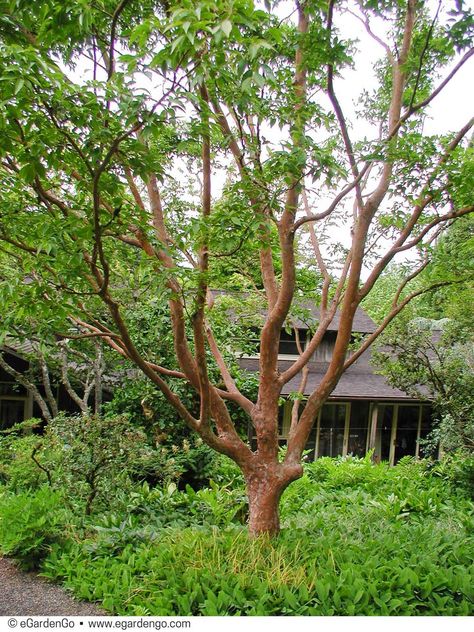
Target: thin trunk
x,y
98,370
82,405
50,398
30,387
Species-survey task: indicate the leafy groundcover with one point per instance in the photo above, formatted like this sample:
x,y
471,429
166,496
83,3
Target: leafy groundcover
x,y
357,539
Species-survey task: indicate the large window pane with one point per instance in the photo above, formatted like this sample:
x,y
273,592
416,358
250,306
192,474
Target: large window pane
x,y
288,344
281,419
407,431
331,433
358,428
311,444
384,431
425,428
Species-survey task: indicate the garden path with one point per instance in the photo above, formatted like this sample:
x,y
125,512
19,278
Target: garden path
x,y
26,594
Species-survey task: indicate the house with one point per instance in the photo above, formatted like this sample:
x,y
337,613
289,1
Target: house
x,y
363,412
17,402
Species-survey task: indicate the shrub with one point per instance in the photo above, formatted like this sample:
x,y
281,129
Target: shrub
x,y
92,456
185,461
30,522
96,455
458,470
19,452
87,455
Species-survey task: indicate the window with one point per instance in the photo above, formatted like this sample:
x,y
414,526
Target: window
x,y
288,348
344,428
399,430
287,344
332,429
328,437
426,426
357,439
12,411
325,348
407,431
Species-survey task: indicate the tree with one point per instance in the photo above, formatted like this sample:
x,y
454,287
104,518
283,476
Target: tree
x,y
434,361
429,352
144,143
453,258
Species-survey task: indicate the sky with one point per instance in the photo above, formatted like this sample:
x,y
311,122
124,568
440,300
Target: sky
x,y
449,111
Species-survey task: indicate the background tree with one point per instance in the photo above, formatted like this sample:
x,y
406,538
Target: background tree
x,y
431,361
57,352
80,370
429,352
143,143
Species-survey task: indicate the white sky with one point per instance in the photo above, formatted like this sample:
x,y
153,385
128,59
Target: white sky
x,y
449,111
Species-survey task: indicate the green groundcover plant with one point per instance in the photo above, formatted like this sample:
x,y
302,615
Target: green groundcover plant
x,y
30,522
357,539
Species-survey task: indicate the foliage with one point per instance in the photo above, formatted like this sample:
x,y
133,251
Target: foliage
x,y
101,460
358,539
151,151
178,455
30,523
450,273
142,514
458,470
95,455
434,360
453,260
18,444
88,455
379,300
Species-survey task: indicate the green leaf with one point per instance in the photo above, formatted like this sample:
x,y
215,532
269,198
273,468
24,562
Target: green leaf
x,y
226,27
20,82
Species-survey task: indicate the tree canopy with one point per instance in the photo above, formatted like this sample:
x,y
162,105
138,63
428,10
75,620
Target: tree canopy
x,y
160,149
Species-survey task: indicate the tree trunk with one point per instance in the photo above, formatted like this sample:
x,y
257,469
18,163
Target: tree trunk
x,y
264,497
265,486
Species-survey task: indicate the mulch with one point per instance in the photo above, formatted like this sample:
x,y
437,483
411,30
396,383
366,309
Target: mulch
x,y
26,594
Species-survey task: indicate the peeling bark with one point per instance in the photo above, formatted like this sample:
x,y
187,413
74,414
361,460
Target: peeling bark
x,y
265,485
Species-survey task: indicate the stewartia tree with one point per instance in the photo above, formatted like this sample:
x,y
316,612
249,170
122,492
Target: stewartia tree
x,y
154,150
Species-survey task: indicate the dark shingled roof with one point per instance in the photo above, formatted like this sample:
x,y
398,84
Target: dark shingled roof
x,y
362,322
352,385
358,382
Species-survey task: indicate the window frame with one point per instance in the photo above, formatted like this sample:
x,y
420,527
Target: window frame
x,y
394,428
